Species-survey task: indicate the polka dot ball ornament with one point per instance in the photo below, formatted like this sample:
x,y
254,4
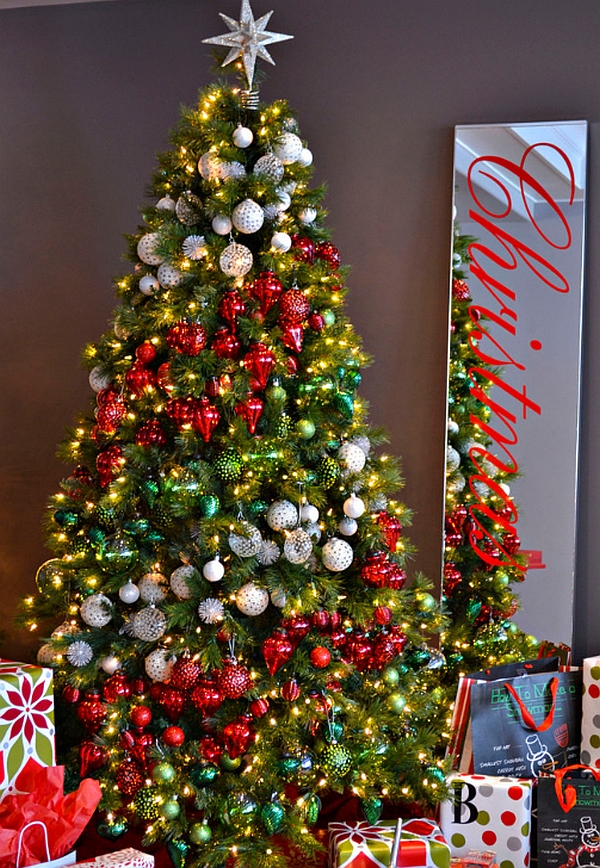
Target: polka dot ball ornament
x,y
96,610
252,600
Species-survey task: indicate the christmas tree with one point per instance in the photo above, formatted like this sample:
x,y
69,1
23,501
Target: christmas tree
x,y
238,639
482,564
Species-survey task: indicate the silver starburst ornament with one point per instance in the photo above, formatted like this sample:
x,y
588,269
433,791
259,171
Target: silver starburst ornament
x,y
247,39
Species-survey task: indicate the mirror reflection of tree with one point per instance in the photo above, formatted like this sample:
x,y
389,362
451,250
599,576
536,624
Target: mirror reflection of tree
x,y
482,564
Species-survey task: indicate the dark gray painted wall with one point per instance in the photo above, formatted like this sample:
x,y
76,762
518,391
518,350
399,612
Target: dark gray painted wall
x,y
87,94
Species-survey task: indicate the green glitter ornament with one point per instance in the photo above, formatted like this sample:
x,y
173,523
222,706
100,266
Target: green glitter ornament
x,y
328,471
105,516
163,515
283,426
272,816
67,518
344,402
145,804
311,809
209,505
336,759
328,316
228,465
332,732
372,809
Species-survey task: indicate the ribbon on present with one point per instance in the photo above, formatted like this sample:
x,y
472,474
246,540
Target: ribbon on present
x,y
369,845
128,858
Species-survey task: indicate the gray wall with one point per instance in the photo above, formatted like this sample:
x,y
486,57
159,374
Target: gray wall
x,y
87,94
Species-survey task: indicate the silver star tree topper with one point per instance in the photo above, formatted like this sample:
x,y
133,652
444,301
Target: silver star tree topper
x,y
247,39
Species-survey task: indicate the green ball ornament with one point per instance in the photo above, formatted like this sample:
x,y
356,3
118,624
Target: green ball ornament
x,y
501,580
117,554
372,809
228,763
288,765
336,759
390,676
145,804
169,810
426,602
272,816
311,809
200,833
239,806
137,526
209,505
332,732
203,775
344,402
258,507
328,471
305,428
228,465
163,773
113,828
277,394
396,703
328,316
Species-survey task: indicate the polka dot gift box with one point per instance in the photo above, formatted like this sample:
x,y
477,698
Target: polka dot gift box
x,y
590,713
488,813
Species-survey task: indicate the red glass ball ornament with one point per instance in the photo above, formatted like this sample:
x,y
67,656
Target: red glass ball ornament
x,y
151,433
360,652
320,657
145,353
206,418
173,701
92,757
83,475
110,395
138,379
383,615
237,736
303,249
391,529
209,749
181,410
266,289
290,691
185,674
452,578
260,361
316,321
116,687
320,619
225,344
460,290
251,410
384,650
71,694
458,516
91,711
326,251
173,736
110,415
398,637
293,337
129,777
259,707
335,619
396,577
376,570
206,697
294,307
140,715
230,307
234,679
452,538
511,543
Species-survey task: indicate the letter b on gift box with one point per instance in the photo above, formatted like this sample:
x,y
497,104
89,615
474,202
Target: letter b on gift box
x,y
463,794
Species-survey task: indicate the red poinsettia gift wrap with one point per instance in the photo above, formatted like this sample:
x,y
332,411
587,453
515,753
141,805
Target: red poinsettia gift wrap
x,y
369,845
26,720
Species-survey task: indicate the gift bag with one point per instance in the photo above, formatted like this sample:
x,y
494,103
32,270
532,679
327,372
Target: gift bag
x,y
569,819
460,748
590,712
26,833
527,726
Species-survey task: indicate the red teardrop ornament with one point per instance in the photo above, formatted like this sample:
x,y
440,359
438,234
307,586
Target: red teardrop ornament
x,y
206,418
277,650
292,337
266,289
230,307
173,701
297,627
260,361
251,410
92,757
206,697
391,529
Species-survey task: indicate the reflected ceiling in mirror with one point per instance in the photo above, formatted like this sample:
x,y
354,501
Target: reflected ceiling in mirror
x,y
519,215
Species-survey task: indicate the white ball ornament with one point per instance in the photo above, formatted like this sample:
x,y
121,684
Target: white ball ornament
x,y
305,158
313,530
221,224
146,249
337,555
348,526
80,653
153,587
213,571
166,204
149,285
284,200
282,515
99,379
298,546
242,136
269,167
505,488
129,593
149,624
236,260
248,543
252,600
96,610
281,242
194,247
110,664
452,427
233,171
308,512
351,457
209,166
159,664
248,217
46,655
452,459
354,506
288,148
363,442
307,215
181,579
168,277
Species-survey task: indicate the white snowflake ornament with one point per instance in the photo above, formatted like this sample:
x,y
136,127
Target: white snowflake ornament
x,y
194,247
211,611
80,653
269,553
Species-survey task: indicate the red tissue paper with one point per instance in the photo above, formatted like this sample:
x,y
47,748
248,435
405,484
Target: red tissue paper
x,y
42,798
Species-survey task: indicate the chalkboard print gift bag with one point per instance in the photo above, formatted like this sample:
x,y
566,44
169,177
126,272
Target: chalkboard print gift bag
x,y
523,727
568,828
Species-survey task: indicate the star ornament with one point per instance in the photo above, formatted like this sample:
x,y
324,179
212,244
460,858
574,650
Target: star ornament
x,y
247,39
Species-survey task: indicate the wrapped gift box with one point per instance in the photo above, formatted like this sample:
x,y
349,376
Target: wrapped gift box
x,y
128,858
26,720
368,845
590,713
489,813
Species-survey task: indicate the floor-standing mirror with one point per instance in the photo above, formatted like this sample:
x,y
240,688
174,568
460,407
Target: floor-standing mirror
x,y
519,233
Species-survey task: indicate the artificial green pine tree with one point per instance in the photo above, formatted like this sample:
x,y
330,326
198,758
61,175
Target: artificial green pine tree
x,y
480,569
237,636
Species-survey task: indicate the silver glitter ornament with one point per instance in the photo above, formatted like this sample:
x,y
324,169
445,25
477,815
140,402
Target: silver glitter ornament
x,y
252,600
153,587
236,260
452,459
337,555
248,543
282,515
247,217
313,530
194,247
80,653
211,611
298,546
269,166
188,208
146,249
96,610
149,624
